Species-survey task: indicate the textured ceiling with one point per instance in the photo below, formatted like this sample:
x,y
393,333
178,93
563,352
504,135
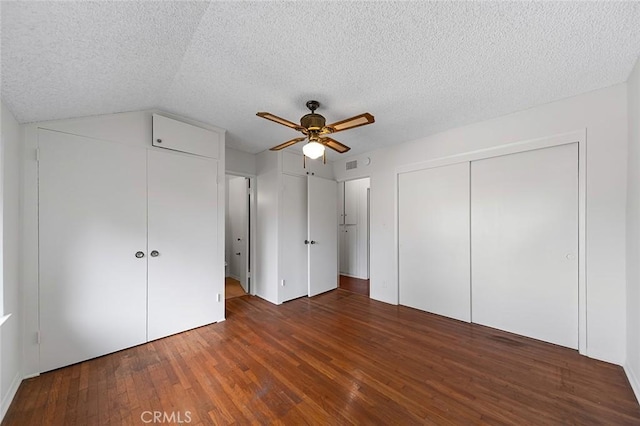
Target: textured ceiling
x,y
418,67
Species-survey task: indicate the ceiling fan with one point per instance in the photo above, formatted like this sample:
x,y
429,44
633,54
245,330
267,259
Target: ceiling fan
x,y
315,131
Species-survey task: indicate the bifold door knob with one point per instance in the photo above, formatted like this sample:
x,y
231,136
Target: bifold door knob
x,y
312,242
306,241
154,253
139,255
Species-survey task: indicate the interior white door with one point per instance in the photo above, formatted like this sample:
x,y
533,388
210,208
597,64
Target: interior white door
x,y
433,232
183,274
524,210
237,228
242,240
322,235
293,270
92,221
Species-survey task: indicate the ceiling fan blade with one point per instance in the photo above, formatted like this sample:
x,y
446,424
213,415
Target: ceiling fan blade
x,y
350,123
287,143
335,145
279,120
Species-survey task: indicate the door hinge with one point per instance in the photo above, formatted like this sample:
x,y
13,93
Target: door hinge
x,y
37,154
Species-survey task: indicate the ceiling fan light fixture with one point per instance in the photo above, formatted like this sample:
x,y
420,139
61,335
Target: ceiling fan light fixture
x,y
313,150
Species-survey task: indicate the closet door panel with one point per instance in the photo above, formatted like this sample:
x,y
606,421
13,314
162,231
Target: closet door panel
x,y
184,280
323,225
525,243
293,250
92,221
434,244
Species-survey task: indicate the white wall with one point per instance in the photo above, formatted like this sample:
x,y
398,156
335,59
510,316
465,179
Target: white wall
x,y
603,113
10,331
131,128
266,272
240,162
633,232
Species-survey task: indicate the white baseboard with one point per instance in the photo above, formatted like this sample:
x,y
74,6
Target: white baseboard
x,y
633,380
8,398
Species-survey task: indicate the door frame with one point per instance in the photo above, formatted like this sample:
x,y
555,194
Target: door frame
x,y
579,137
251,223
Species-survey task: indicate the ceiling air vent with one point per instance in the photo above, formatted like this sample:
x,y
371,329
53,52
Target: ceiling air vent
x,y
352,164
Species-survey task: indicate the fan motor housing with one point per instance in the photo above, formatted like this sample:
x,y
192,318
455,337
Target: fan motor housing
x,y
312,121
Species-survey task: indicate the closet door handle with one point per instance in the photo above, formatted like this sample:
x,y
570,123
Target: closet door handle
x,y
237,254
154,253
312,242
306,241
139,255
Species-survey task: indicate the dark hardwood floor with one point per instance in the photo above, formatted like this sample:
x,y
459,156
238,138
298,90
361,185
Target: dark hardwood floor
x,y
232,288
337,358
355,285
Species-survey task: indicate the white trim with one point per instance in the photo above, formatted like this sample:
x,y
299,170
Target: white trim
x,y
579,137
8,398
633,380
31,376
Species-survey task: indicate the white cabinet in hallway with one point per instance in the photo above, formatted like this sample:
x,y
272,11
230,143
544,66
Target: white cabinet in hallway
x,y
353,216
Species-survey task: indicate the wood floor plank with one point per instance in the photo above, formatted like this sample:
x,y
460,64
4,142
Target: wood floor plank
x,y
337,358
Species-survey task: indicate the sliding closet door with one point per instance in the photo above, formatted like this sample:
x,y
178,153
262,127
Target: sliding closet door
x,y
92,222
184,279
434,242
524,213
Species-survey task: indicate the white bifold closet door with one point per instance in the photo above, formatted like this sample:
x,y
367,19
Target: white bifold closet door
x,y
524,210
434,240
93,215
322,195
183,231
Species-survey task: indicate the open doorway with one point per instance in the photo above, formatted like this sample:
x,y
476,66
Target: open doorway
x,y
353,220
238,225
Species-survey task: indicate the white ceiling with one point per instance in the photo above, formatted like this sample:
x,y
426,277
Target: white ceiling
x,y
418,67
